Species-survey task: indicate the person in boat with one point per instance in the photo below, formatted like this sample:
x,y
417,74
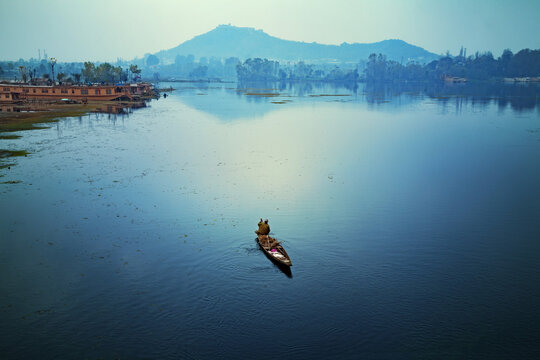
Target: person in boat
x,y
272,243
260,226
264,228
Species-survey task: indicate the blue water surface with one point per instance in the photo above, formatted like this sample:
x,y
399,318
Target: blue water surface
x,y
411,214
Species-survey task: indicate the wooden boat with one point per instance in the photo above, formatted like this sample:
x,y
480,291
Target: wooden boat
x,y
276,252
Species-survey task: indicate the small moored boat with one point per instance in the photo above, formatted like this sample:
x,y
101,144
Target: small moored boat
x,y
273,249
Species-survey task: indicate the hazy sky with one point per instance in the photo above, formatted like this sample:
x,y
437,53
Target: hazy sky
x,y
106,30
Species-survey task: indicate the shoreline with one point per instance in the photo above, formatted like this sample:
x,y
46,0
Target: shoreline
x,y
24,116
43,113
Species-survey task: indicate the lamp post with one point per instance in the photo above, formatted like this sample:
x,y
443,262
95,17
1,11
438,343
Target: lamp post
x,y
53,62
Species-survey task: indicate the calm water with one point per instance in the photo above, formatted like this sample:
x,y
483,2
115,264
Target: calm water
x,y
412,217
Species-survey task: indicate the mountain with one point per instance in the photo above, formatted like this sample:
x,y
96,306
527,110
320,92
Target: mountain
x,y
230,41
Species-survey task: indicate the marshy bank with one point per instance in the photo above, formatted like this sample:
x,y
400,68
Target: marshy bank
x,y
34,116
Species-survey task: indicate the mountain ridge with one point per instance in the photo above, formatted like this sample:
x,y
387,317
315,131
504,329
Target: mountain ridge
x,y
226,41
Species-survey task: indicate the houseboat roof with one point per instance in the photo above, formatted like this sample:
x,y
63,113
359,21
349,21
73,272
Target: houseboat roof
x,y
72,85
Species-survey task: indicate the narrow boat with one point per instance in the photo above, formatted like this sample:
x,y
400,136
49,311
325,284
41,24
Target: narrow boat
x,y
273,249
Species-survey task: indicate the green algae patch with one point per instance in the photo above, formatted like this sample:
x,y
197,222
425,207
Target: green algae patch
x,y
24,124
12,153
9,137
28,121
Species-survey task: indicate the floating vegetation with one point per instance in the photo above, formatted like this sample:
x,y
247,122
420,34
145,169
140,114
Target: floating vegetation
x,y
256,89
11,153
262,94
281,102
339,100
319,95
3,166
43,311
9,137
12,182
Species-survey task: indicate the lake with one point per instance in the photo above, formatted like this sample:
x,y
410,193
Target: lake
x,y
411,215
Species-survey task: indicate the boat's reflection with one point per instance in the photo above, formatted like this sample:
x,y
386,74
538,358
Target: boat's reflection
x,y
283,268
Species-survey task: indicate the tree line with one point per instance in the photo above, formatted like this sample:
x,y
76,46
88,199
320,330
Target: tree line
x,y
258,69
525,63
186,67
480,66
107,73
253,69
50,71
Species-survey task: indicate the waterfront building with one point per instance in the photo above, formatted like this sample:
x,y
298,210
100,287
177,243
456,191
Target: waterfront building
x,y
10,92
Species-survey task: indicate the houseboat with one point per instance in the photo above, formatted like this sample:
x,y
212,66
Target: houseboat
x,y
10,92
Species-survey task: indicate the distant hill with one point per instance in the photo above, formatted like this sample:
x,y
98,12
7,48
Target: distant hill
x,y
230,41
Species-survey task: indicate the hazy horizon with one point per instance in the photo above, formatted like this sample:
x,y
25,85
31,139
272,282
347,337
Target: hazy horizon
x,y
102,31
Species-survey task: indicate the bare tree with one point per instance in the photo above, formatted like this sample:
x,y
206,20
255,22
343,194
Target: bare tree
x,y
24,75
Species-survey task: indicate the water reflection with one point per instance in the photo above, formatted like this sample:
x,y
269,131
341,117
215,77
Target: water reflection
x,y
110,108
257,99
122,108
299,88
520,97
